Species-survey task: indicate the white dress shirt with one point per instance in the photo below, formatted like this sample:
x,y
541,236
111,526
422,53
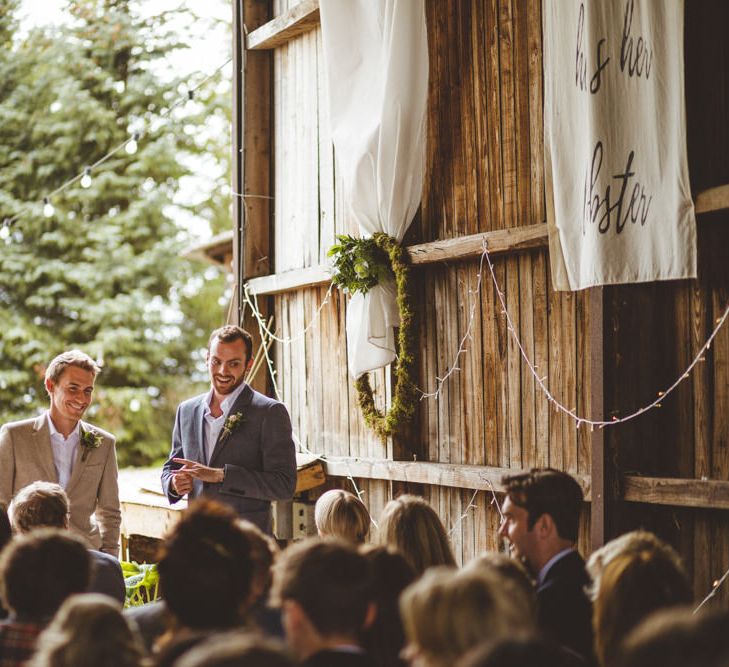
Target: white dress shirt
x,y
64,451
213,425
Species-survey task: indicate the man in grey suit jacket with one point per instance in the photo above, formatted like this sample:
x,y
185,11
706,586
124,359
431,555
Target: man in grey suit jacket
x,y
58,447
232,443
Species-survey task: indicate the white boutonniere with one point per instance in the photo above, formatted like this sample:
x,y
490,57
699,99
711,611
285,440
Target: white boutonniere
x,y
90,440
231,424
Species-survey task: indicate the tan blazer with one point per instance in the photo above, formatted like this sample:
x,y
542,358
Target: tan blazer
x,y
26,456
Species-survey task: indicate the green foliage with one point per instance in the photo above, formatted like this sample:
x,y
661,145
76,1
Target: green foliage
x,y
105,273
359,264
141,582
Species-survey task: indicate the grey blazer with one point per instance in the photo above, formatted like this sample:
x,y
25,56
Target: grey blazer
x,y
259,457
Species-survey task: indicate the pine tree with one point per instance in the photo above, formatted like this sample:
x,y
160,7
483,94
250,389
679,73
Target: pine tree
x,y
104,272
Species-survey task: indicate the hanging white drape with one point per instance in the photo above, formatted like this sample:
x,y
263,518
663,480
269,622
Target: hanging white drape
x,y
376,58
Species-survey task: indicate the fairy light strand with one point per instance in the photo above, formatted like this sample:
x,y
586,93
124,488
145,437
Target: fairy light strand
x,y
463,516
713,591
165,113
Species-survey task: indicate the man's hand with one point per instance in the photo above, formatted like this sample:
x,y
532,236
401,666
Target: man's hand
x,y
181,482
193,469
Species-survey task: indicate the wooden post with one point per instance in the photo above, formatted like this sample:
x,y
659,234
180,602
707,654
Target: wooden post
x,y
251,178
597,439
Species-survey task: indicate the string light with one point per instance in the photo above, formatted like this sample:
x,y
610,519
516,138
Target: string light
x,y
48,209
131,145
714,590
86,178
461,518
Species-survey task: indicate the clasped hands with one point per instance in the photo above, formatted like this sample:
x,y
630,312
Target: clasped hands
x,y
182,477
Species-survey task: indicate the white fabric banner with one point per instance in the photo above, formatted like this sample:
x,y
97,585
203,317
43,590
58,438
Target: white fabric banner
x,y
619,203
376,58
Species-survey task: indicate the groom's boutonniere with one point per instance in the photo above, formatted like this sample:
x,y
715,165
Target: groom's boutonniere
x,y
90,440
232,422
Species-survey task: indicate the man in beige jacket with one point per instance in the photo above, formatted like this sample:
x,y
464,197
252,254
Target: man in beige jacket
x,y
59,447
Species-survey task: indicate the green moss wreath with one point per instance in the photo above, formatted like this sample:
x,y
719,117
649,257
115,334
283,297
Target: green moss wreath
x,y
359,265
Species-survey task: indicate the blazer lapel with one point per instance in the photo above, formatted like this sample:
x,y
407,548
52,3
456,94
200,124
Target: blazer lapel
x,y
41,443
198,423
79,461
241,403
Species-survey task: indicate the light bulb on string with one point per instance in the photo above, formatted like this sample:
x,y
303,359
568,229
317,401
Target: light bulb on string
x,y
86,178
131,147
48,209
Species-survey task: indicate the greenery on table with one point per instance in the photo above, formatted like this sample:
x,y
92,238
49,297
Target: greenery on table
x,y
141,582
104,273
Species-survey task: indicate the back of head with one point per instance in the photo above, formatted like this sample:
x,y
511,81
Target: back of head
x,y
5,531
632,542
263,552
205,567
447,613
678,638
38,571
88,631
527,651
236,649
411,526
385,637
40,504
548,491
339,513
331,582
515,581
633,586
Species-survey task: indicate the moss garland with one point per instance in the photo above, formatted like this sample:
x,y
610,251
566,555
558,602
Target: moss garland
x,y
404,399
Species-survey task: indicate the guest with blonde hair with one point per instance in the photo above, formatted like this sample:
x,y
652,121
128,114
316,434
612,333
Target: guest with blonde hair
x,y
447,613
88,631
339,513
411,526
633,586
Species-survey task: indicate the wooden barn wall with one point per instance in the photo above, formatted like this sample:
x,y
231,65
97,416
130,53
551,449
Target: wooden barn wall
x,y
652,333
484,172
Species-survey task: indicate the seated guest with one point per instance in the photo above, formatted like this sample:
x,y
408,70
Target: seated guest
x,y
384,639
205,570
633,586
88,631
678,638
45,505
632,542
339,513
526,651
324,588
236,649
540,520
447,612
38,572
411,526
5,535
515,578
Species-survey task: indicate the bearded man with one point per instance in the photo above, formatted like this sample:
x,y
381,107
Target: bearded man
x,y
232,443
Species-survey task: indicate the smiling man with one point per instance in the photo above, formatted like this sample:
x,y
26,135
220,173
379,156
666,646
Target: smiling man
x,y
59,447
232,443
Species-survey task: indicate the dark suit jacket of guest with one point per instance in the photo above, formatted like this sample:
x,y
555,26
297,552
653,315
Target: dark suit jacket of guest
x,y
259,456
106,576
335,658
564,610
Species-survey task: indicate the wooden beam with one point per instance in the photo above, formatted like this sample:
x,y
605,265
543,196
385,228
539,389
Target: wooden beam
x,y
710,493
713,199
598,484
498,242
288,281
296,21
458,476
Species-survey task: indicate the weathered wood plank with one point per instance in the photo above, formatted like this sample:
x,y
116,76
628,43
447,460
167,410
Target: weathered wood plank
x,y
301,18
676,492
435,474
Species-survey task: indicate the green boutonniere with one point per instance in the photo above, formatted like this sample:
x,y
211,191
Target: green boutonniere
x,y
232,422
90,440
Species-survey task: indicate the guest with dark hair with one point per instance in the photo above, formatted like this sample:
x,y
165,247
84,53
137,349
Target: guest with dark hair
x,y
5,536
45,504
633,586
235,649
384,639
678,638
526,651
88,631
410,526
540,520
38,572
205,568
324,588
